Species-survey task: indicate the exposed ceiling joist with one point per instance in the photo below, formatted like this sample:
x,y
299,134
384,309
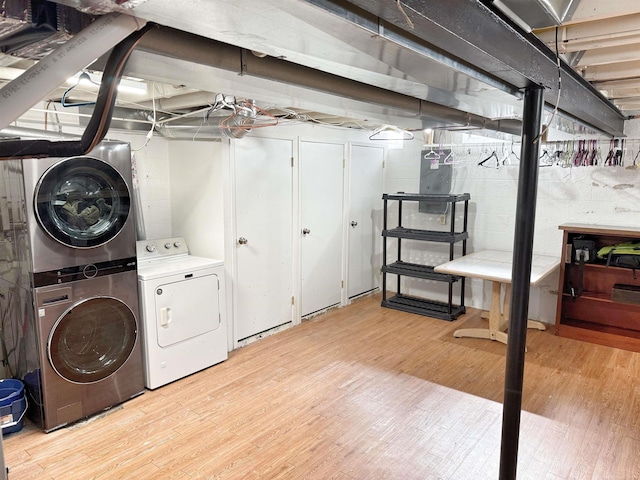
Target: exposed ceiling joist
x,y
610,55
628,102
596,34
601,40
592,10
613,72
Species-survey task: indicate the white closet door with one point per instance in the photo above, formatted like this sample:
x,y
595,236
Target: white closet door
x,y
263,216
321,203
365,219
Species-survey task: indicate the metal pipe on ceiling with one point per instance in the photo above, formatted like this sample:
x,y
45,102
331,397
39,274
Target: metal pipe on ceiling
x,y
177,44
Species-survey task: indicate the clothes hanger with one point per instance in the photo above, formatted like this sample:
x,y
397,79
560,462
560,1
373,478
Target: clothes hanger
x,y
617,156
559,153
508,157
635,159
493,155
84,77
390,132
578,159
609,159
568,154
546,160
431,155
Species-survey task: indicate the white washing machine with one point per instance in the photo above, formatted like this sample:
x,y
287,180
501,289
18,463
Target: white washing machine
x,y
182,307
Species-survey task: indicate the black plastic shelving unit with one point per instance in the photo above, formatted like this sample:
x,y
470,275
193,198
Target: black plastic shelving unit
x,y
431,308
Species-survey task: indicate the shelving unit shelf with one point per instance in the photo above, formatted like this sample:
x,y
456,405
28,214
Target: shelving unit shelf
x,y
432,308
594,316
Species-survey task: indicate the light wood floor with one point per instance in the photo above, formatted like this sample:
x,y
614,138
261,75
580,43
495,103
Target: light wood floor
x,y
361,393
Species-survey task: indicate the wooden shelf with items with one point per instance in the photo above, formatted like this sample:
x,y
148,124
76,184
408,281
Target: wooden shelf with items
x,y
594,315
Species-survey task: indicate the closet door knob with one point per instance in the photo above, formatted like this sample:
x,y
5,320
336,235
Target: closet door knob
x,y
242,241
354,223
306,231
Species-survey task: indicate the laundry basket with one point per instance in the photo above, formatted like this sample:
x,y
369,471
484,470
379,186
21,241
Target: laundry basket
x,y
13,405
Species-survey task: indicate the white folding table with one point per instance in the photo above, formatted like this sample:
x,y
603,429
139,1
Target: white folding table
x,y
495,265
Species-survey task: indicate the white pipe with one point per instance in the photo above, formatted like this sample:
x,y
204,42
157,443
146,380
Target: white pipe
x,y
25,132
185,100
34,84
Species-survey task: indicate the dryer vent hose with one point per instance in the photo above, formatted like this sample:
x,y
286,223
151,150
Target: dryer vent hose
x,y
100,119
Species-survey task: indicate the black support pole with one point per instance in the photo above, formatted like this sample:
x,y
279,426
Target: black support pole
x,y
520,277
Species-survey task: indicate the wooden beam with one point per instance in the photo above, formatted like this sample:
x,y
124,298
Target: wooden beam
x,y
589,10
610,32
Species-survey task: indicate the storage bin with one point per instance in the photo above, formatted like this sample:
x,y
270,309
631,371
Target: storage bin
x,y
13,405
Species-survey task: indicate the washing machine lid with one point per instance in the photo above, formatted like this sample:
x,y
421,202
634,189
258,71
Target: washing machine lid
x,y
174,266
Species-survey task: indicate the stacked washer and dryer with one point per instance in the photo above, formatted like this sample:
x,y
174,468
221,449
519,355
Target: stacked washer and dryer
x,y
70,273
68,288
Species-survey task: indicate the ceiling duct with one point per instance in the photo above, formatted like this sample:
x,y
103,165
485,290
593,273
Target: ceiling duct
x,y
33,28
531,14
24,133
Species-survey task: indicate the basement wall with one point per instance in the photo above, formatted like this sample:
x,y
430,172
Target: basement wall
x,y
600,195
606,195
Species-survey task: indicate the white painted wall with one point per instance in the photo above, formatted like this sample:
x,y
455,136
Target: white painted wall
x,y
197,206
600,195
181,188
152,177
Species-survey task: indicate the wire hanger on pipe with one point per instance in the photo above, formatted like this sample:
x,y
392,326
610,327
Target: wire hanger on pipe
x,y
390,132
84,77
431,155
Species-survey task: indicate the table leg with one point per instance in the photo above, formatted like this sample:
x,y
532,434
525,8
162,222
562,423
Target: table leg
x,y
536,325
504,324
498,318
507,302
495,321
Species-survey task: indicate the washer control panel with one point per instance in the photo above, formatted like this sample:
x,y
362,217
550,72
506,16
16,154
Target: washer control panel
x,y
161,248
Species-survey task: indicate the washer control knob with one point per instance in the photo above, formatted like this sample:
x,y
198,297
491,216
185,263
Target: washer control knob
x,y
151,248
177,244
167,245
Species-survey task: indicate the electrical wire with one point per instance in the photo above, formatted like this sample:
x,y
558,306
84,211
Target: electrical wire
x,y
153,122
406,17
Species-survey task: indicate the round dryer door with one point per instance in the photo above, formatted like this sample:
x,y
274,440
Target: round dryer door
x,y
82,202
92,340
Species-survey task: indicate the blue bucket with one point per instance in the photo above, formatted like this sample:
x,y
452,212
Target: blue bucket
x,y
13,405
